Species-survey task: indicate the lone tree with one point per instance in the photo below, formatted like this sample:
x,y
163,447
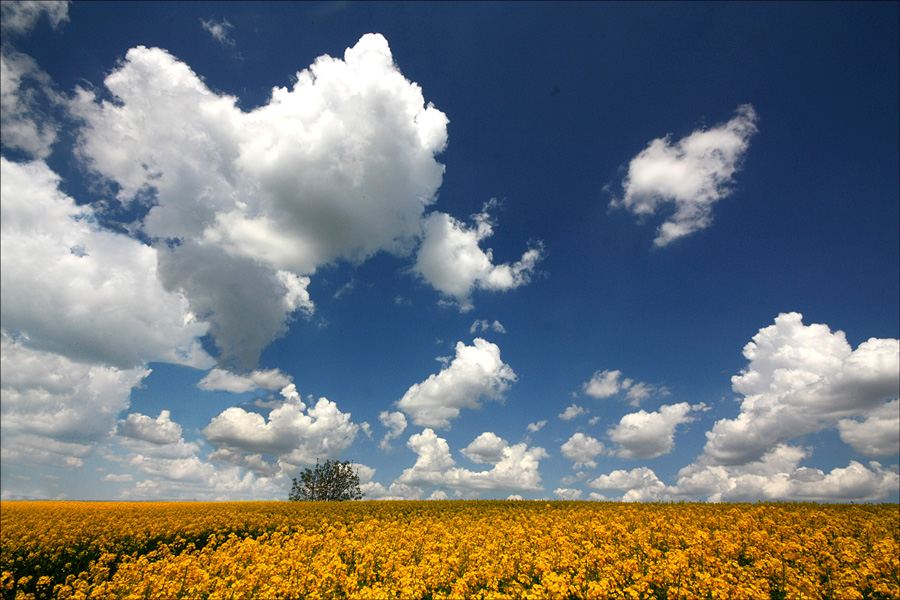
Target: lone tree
x,y
332,481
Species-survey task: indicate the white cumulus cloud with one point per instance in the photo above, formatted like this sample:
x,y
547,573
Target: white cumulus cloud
x,y
535,427
567,494
452,261
295,434
396,424
604,384
220,379
24,88
74,289
432,459
161,430
486,448
648,435
688,175
515,468
876,435
246,206
582,449
778,476
801,379
55,410
640,484
476,372
571,412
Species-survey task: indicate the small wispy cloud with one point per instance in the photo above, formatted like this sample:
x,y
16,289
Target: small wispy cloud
x,y
485,325
219,31
535,427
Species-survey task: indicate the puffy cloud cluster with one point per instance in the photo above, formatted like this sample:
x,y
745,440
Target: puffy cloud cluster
x,y
689,175
778,476
604,384
83,312
234,211
55,410
162,465
293,433
476,372
802,379
515,468
451,260
567,494
639,484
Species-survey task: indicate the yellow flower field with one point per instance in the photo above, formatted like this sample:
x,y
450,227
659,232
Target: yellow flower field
x,y
448,549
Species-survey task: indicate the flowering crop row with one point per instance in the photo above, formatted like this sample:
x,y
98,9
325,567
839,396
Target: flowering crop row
x,y
448,549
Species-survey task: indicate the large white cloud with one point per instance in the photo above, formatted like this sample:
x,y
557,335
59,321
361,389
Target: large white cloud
x,y
74,289
476,372
55,410
297,435
802,379
690,175
649,434
246,205
451,260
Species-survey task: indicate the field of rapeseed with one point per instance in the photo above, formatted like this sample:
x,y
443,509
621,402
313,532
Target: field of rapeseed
x,y
448,549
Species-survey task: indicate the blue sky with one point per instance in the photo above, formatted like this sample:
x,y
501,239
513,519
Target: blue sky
x,y
577,251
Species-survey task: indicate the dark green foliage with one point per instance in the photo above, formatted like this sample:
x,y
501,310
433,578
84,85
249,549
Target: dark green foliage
x,y
332,481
